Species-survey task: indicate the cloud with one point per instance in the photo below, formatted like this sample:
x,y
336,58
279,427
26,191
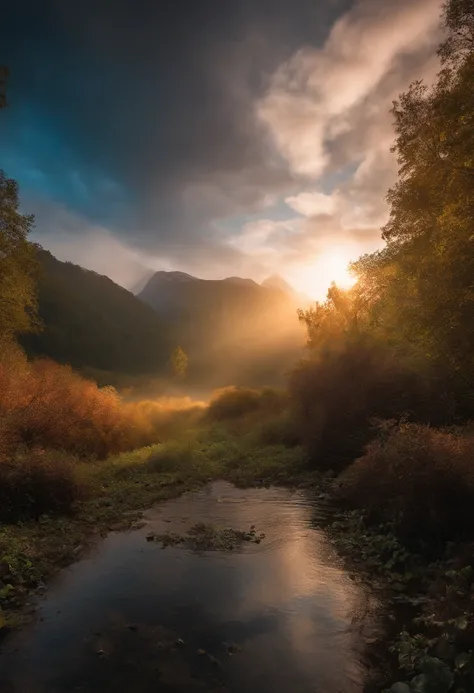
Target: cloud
x,y
141,138
311,203
328,112
312,96
158,101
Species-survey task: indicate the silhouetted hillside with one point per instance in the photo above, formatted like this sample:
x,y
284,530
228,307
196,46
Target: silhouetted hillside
x,y
89,321
232,329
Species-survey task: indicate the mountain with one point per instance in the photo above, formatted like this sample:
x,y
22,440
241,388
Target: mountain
x,y
277,282
91,322
233,330
140,284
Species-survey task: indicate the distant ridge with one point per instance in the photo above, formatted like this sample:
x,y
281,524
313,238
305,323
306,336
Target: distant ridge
x,y
229,326
277,282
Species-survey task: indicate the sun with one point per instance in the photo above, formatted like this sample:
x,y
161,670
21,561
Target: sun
x,y
331,266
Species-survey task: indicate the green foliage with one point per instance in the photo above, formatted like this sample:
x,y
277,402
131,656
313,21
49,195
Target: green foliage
x,y
419,288
17,263
179,362
89,321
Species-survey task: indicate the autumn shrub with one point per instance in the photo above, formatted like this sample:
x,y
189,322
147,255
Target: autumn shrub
x,y
237,402
46,405
163,418
35,482
336,394
419,478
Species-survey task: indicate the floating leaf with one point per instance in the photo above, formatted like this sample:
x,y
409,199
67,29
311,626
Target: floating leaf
x,y
462,660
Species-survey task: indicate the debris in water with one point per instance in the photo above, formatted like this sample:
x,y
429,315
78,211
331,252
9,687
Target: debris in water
x,y
206,537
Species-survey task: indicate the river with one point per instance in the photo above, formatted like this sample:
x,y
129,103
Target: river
x,y
281,616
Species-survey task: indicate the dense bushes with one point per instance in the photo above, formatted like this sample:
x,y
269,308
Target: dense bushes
x,y
336,393
34,482
236,402
420,478
45,407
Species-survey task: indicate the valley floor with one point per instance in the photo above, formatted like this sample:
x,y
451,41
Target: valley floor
x,y
429,600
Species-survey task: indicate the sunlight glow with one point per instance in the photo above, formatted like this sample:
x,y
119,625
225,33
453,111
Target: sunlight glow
x,y
331,266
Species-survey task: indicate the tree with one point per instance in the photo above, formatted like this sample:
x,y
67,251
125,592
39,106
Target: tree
x,y
17,263
17,255
179,362
422,284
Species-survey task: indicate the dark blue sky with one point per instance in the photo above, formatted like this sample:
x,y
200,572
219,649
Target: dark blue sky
x,y
136,119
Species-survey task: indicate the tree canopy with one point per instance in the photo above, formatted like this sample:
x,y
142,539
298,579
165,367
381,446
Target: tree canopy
x,y
17,263
415,297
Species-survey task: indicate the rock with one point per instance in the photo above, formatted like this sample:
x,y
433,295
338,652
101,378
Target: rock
x,y
232,647
400,687
117,526
214,661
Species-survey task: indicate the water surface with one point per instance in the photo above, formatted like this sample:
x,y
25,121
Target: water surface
x,y
134,617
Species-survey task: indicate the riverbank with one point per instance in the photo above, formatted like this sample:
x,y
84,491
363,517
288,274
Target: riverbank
x,y
428,605
114,494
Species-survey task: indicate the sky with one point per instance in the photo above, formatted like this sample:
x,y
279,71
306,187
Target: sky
x,y
215,137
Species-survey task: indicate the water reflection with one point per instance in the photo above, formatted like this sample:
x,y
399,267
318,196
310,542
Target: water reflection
x,y
112,622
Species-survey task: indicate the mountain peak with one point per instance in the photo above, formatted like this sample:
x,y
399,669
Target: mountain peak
x,y
277,282
165,276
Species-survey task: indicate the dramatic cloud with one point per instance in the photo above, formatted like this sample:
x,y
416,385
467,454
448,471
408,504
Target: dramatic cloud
x,y
239,137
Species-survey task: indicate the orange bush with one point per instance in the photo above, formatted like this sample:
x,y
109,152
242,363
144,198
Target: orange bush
x,y
418,477
45,405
